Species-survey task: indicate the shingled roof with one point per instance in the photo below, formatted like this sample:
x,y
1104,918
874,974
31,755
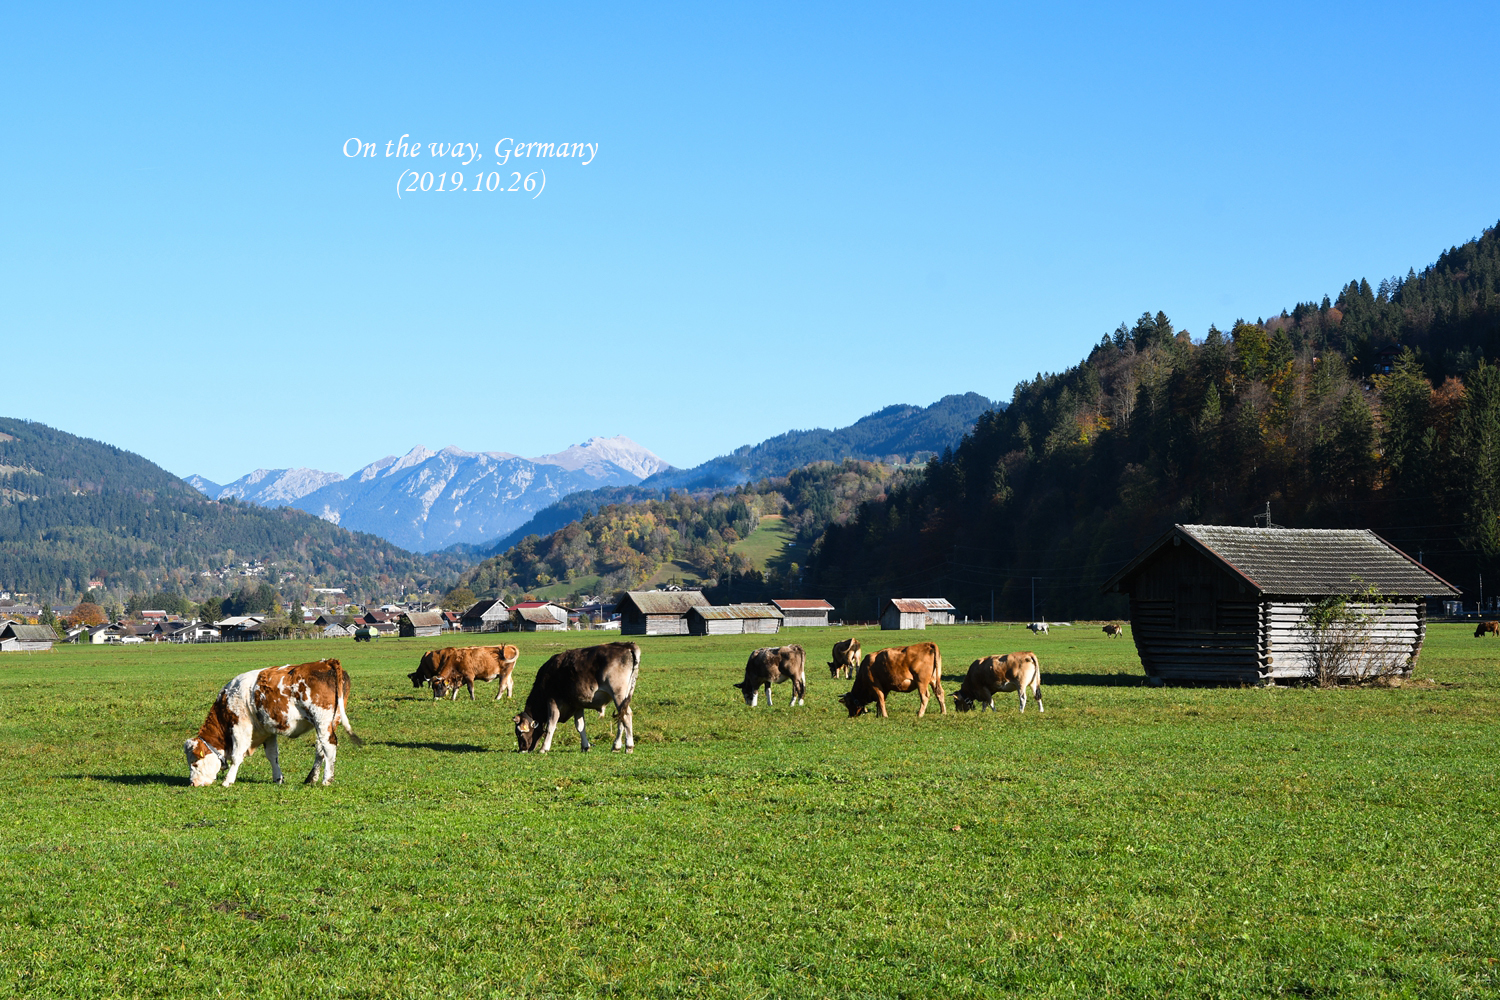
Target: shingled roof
x,y
1305,561
729,612
665,602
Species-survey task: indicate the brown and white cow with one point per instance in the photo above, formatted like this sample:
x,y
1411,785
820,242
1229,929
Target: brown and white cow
x,y
571,683
1113,630
989,674
454,667
772,665
916,668
258,706
845,662
1487,628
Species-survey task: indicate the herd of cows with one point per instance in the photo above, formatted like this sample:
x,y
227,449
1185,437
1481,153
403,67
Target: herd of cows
x,y
258,707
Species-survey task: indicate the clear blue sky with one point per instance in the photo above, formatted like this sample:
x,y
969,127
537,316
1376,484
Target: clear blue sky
x,y
797,214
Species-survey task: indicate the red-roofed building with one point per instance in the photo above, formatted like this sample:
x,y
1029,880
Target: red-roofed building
x,y
801,612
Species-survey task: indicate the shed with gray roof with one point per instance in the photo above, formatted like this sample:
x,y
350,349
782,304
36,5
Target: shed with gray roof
x,y
658,612
18,638
734,619
1230,605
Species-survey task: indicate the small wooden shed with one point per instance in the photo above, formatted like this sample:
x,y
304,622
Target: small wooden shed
x,y
416,624
541,619
1212,603
488,615
658,612
18,638
799,613
903,613
940,610
734,619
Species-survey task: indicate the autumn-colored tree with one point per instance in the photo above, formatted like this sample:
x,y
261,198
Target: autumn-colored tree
x,y
87,614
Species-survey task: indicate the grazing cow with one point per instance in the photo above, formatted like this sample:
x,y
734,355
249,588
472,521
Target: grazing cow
x,y
256,707
1487,628
1113,630
460,666
1040,628
901,668
845,659
772,665
1011,672
571,683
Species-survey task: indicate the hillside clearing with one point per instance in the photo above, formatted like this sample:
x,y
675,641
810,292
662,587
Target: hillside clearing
x,y
1130,842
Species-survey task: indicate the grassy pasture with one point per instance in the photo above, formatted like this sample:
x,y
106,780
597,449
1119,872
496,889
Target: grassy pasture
x,y
1131,842
767,542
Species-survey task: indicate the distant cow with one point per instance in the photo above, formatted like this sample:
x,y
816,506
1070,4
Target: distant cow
x,y
1011,672
257,706
916,668
772,665
1113,630
845,659
571,683
1040,628
1487,628
449,669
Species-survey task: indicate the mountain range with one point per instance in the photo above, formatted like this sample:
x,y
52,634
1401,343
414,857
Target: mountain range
x,y
483,502
426,500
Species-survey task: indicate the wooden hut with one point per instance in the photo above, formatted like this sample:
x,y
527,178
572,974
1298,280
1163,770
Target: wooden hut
x,y
802,613
734,619
18,638
1227,604
903,613
421,624
547,618
658,612
489,615
940,610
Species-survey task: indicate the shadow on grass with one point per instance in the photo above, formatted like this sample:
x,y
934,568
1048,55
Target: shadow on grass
x,y
439,747
1122,679
137,779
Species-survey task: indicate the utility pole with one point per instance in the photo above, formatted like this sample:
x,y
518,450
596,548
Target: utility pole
x,y
992,605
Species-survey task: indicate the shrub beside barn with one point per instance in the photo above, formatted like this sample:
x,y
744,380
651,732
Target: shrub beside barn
x,y
1213,603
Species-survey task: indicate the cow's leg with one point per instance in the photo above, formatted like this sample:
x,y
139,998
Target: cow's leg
x,y
624,726
799,691
273,755
754,698
553,717
1036,690
330,751
235,761
1022,690
583,730
470,683
880,703
937,683
769,702
924,694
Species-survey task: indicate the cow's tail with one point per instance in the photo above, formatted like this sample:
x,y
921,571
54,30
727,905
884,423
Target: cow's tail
x,y
340,703
1036,666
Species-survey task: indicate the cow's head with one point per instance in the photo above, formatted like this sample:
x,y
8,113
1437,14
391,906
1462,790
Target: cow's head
x,y
203,763
853,703
526,732
440,687
963,702
748,690
833,669
418,677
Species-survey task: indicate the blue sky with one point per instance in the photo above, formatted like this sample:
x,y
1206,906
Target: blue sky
x,y
797,214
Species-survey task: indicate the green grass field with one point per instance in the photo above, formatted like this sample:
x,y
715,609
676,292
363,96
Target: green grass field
x,y
1132,841
767,542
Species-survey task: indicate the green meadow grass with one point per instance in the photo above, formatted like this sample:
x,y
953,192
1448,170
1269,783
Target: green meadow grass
x,y
1131,842
767,542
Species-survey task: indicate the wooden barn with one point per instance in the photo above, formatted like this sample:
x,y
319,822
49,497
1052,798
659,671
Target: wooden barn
x,y
803,613
416,624
903,613
1210,603
547,618
489,615
18,638
940,610
734,619
658,612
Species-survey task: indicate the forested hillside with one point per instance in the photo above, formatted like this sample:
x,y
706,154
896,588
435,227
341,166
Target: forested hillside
x,y
621,546
72,510
1380,409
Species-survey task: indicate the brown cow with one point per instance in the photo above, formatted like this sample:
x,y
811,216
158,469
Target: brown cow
x,y
1011,672
256,707
460,666
1114,630
571,683
1487,628
845,661
772,665
901,668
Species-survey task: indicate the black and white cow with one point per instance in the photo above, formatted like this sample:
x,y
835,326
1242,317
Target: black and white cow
x,y
571,683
